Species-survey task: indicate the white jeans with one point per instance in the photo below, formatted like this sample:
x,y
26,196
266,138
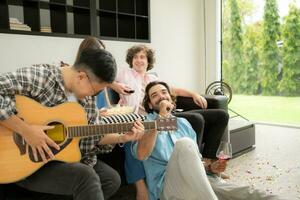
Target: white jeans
x,y
185,174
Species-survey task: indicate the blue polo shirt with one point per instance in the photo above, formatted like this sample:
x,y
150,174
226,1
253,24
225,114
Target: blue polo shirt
x,y
155,165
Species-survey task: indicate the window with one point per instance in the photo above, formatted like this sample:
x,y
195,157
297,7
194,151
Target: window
x,y
260,58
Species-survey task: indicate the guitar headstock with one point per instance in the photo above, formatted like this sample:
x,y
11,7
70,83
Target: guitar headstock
x,y
166,124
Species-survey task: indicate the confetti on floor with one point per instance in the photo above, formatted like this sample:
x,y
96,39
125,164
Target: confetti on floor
x,y
273,165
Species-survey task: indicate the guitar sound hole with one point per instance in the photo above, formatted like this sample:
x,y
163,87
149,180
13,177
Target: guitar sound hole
x,y
57,134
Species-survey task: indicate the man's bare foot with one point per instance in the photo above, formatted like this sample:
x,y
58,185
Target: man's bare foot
x,y
225,176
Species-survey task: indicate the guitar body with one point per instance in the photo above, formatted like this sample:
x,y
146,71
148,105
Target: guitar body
x,y
70,124
16,161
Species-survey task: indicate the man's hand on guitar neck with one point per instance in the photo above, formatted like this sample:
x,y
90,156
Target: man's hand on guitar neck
x,y
136,133
34,136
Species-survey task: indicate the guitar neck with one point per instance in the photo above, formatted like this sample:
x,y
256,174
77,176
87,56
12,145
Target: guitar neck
x,y
92,130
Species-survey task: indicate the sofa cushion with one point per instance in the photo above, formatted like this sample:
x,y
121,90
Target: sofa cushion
x,y
122,118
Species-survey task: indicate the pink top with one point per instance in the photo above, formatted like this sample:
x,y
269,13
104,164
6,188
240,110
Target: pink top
x,y
137,83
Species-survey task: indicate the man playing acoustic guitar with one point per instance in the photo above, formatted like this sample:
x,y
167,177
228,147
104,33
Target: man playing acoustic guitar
x,y
50,85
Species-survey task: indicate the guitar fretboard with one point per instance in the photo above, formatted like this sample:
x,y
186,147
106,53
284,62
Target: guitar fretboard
x,y
91,130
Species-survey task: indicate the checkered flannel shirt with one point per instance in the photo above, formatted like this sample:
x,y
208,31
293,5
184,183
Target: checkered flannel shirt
x,y
44,83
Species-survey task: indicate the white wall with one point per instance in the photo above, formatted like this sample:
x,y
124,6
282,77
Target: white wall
x,y
23,50
178,38
212,40
177,35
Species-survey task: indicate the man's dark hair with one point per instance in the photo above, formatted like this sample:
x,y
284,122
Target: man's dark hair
x,y
99,62
146,100
136,49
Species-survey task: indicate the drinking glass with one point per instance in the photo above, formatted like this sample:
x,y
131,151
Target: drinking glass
x,y
224,152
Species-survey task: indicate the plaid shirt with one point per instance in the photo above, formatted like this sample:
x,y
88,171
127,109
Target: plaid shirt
x,y
44,83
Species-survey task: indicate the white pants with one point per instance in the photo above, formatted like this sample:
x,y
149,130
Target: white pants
x,y
185,174
229,191
186,179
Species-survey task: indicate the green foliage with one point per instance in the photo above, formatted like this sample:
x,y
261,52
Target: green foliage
x,y
270,58
235,45
250,78
252,61
226,70
290,82
246,9
225,29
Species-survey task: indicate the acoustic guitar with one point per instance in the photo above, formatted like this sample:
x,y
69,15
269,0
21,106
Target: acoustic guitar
x,y
70,124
